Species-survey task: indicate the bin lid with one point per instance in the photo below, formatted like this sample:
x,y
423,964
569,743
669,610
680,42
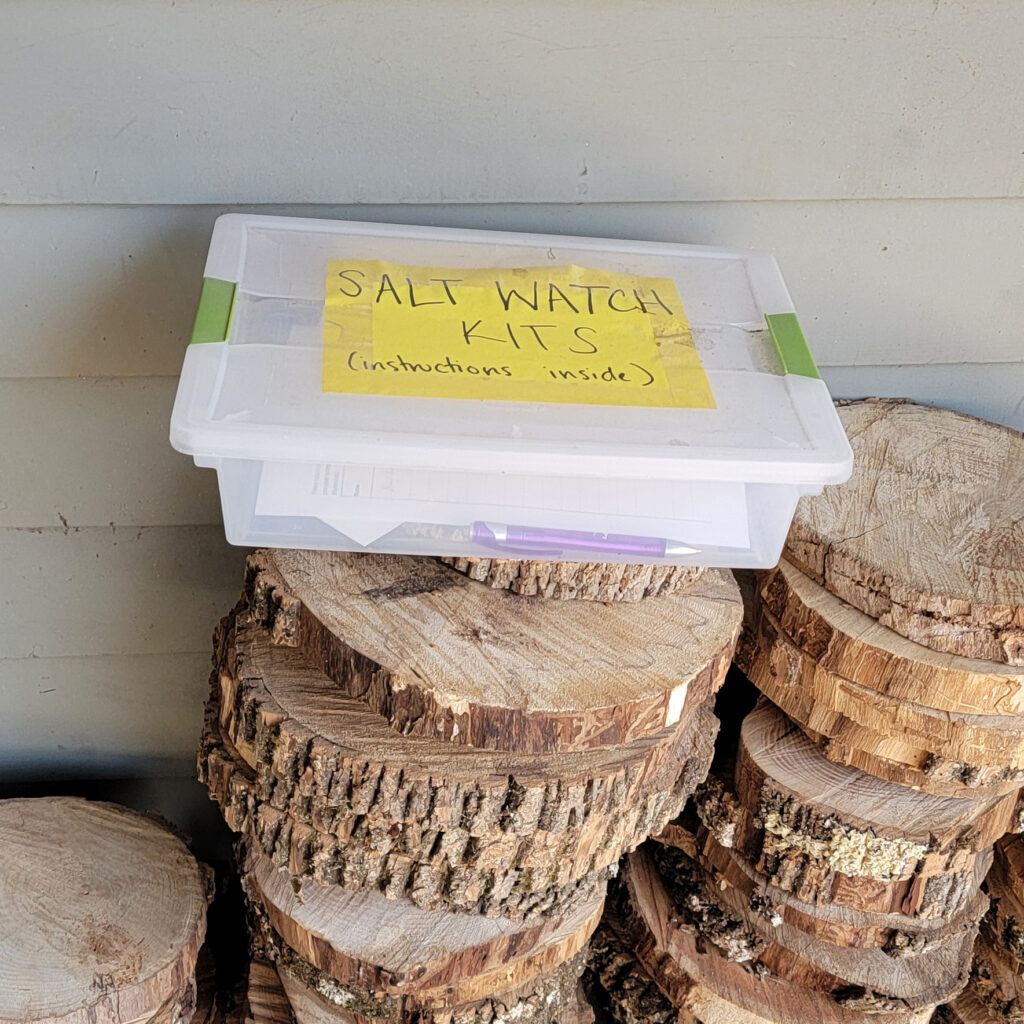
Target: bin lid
x,y
486,351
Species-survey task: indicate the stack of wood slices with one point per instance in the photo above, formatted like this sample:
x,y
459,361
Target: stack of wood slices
x,y
995,992
104,917
432,779
832,865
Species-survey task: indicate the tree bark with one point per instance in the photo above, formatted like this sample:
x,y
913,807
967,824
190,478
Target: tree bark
x,y
577,581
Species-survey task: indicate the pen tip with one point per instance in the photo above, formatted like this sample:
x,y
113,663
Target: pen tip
x,y
674,549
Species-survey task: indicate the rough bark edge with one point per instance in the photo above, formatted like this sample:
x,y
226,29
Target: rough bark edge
x,y
953,625
774,662
827,643
412,709
846,742
448,881
363,995
979,827
761,941
542,1000
577,581
895,934
616,981
682,988
923,890
304,774
421,986
445,871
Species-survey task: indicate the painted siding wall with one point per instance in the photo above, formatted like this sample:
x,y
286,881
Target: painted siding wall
x,y
877,149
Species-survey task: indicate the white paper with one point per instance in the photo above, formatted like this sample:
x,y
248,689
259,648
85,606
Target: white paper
x,y
354,498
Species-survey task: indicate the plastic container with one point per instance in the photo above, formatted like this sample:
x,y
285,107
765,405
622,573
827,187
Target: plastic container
x,y
399,406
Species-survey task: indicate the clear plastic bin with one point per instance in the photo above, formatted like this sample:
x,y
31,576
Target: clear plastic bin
x,y
707,475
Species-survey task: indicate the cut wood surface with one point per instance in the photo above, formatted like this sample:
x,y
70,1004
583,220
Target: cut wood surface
x,y
896,933
329,761
401,958
776,664
876,826
848,643
918,769
721,917
267,1001
927,535
438,656
104,914
577,581
842,867
550,999
696,977
888,754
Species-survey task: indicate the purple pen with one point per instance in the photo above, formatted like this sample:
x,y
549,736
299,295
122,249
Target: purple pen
x,y
533,540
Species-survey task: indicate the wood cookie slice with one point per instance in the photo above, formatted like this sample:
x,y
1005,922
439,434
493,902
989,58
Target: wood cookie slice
x,y
971,739
327,760
898,935
437,656
944,753
869,826
267,1002
446,875
578,581
722,918
696,977
448,826
549,999
848,643
918,769
104,915
396,960
832,871
927,535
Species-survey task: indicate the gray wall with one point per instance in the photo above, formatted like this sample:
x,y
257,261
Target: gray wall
x,y
876,149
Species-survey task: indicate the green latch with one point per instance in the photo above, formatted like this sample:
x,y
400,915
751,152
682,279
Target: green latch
x,y
791,346
213,317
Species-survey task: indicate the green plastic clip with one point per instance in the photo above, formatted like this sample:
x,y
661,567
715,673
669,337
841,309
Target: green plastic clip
x,y
791,345
213,317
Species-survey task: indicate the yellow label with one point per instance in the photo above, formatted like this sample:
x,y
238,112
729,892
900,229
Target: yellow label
x,y
538,334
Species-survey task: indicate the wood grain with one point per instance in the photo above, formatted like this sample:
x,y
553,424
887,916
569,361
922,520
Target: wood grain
x,y
550,999
105,912
781,772
926,537
266,999
721,918
714,989
577,581
329,761
438,656
400,957
896,933
848,643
